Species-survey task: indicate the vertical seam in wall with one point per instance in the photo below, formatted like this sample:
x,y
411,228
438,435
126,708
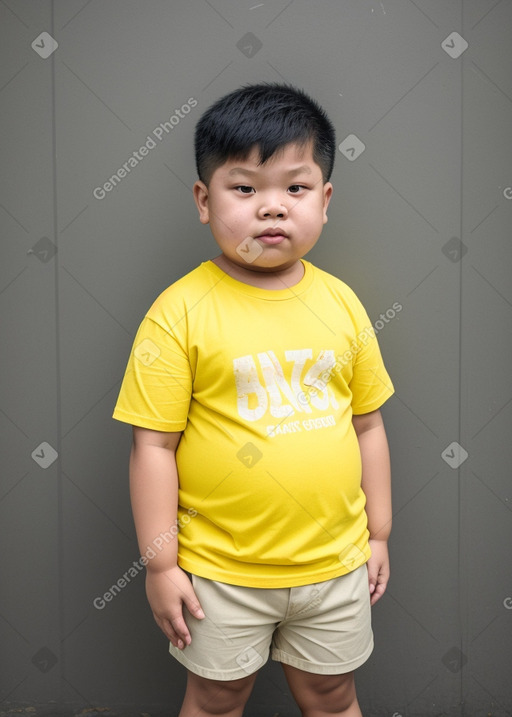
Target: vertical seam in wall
x,y
461,573
58,393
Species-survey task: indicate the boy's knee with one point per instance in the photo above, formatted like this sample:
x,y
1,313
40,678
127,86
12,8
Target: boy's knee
x,y
324,693
218,697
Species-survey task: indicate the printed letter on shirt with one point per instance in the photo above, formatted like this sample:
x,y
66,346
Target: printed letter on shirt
x,y
247,384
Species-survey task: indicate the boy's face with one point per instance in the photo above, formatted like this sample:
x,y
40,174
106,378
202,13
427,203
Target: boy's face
x,y
265,217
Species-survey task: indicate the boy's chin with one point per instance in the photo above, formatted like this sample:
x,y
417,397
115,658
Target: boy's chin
x,y
267,266
265,263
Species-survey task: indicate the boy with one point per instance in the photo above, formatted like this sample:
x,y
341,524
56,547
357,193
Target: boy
x,y
253,389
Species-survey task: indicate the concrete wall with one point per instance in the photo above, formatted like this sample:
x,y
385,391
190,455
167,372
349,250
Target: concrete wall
x,y
421,216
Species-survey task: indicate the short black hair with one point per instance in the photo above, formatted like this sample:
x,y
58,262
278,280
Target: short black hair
x,y
268,116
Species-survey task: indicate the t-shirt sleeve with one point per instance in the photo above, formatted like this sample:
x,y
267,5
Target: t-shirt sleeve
x,y
371,385
157,384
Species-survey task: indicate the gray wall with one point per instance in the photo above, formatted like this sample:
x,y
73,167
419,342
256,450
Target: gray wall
x,y
421,217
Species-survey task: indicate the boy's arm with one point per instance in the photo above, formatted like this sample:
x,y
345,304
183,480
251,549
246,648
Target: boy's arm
x,y
154,498
376,485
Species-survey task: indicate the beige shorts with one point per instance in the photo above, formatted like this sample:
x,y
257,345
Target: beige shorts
x,y
323,628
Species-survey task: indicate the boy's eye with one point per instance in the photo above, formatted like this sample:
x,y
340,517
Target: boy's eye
x,y
244,189
295,188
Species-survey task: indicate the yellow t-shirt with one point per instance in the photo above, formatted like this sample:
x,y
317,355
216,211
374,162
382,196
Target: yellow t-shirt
x,y
263,385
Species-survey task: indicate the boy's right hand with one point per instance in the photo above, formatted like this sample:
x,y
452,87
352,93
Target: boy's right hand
x,y
167,591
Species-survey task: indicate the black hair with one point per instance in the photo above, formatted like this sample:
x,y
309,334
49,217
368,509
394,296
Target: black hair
x,y
268,116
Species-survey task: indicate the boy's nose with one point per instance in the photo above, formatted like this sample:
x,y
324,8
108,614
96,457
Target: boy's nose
x,y
273,208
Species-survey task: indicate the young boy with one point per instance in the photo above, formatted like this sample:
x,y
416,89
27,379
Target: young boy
x,y
253,389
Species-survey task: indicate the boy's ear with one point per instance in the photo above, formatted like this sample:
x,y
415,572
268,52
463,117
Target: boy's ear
x,y
327,199
200,191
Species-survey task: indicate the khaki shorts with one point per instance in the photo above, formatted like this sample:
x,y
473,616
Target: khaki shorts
x,y
323,628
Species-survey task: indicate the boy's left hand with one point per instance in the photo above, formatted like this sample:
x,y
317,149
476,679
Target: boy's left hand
x,y
378,569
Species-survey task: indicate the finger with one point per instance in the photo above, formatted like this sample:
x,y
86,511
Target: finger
x,y
378,592
166,628
194,606
373,579
175,630
179,626
177,641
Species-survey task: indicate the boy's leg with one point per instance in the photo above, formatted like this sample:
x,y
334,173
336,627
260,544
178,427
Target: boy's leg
x,y
321,695
323,640
216,697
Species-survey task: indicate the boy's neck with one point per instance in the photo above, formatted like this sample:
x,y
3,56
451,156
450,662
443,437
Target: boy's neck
x,y
272,280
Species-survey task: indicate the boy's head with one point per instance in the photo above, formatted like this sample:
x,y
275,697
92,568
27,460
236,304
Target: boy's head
x,y
266,117
264,157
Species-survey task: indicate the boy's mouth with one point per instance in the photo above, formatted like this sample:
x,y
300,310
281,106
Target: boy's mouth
x,y
272,236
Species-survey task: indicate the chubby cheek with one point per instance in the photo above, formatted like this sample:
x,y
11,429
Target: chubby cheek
x,y
311,221
236,224
228,227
